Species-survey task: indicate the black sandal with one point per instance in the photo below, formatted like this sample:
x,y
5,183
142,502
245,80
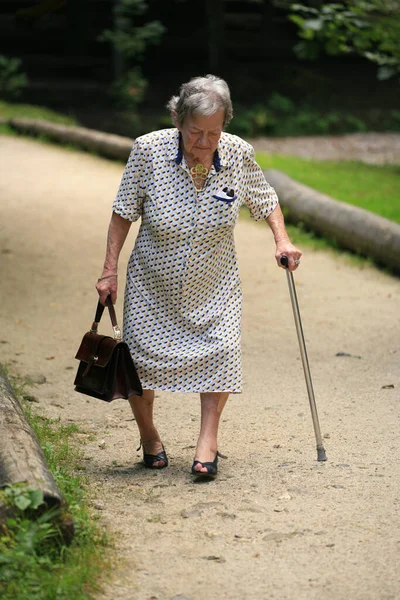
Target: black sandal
x,y
212,467
150,459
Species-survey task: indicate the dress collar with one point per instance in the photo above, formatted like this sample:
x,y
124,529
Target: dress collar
x,y
175,152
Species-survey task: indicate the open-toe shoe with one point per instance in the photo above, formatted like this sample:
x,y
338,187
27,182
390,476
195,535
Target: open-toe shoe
x,y
212,467
150,459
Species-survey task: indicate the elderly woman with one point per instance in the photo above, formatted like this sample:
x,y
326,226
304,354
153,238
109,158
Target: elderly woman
x,y
183,298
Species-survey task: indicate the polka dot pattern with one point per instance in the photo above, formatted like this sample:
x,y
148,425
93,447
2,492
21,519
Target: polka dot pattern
x,y
183,298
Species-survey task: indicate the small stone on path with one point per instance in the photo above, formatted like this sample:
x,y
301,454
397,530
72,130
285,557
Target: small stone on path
x,y
277,536
347,354
218,559
185,514
37,378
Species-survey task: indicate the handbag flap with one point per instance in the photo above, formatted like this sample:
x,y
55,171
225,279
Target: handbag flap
x,y
96,349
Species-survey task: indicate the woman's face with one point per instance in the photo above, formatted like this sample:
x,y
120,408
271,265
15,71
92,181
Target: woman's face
x,y
200,135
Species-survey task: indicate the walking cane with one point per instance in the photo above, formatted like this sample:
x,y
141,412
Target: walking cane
x,y
303,352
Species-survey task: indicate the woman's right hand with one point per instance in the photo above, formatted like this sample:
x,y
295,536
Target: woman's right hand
x,y
106,285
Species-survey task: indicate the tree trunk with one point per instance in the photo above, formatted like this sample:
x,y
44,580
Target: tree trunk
x,y
22,460
215,25
118,57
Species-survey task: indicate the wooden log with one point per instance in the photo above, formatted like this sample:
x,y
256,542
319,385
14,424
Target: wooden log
x,y
22,460
105,144
353,228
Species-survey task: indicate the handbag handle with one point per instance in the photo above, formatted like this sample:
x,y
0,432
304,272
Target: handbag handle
x,y
99,314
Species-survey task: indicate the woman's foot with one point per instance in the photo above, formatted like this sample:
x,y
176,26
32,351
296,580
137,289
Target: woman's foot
x,y
205,469
206,453
154,455
206,459
206,456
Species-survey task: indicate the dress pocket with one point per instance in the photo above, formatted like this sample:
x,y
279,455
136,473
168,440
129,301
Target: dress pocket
x,y
227,195
223,214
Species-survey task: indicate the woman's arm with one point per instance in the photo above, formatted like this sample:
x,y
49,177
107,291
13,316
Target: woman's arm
x,y
262,202
283,244
108,282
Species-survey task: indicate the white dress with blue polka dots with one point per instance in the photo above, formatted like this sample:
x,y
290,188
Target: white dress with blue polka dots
x,y
183,298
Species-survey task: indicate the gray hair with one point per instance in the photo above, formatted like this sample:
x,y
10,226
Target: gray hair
x,y
201,96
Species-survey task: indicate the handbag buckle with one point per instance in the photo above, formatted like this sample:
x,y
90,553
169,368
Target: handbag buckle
x,y
117,333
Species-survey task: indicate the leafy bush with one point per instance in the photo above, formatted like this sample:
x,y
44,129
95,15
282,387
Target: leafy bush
x,y
12,81
395,115
129,89
370,28
130,39
280,116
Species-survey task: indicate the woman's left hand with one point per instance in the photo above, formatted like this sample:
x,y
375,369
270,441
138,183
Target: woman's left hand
x,y
286,248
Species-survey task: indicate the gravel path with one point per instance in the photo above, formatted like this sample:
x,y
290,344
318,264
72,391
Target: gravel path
x,y
373,148
276,524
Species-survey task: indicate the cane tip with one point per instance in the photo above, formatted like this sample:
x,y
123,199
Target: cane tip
x,y
321,454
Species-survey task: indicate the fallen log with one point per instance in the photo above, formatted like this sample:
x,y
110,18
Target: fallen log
x,y
351,227
22,461
105,144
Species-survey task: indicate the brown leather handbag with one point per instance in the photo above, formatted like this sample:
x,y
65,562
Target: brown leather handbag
x,y
106,370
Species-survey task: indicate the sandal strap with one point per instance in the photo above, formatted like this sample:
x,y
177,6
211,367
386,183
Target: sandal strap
x,y
150,459
146,442
160,456
204,464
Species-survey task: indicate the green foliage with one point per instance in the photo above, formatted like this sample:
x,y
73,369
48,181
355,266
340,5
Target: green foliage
x,y
132,41
368,28
129,89
131,38
23,497
12,81
373,187
34,563
10,110
280,116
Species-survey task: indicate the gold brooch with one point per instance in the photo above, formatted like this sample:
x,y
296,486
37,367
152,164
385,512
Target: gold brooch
x,y
199,174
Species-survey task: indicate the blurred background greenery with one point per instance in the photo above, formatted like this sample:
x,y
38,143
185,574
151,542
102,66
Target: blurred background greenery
x,y
294,69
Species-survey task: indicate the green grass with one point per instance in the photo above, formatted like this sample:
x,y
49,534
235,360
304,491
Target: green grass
x,y
373,187
10,110
34,563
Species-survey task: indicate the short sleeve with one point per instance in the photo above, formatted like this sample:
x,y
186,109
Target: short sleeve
x,y
260,197
129,200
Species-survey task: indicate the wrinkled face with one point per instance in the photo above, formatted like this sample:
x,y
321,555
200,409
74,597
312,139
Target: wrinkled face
x,y
200,135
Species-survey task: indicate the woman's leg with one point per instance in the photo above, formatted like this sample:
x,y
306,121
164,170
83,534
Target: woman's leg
x,y
212,405
142,408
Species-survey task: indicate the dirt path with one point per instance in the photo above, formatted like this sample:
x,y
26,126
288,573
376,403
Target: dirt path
x,y
276,524
372,148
